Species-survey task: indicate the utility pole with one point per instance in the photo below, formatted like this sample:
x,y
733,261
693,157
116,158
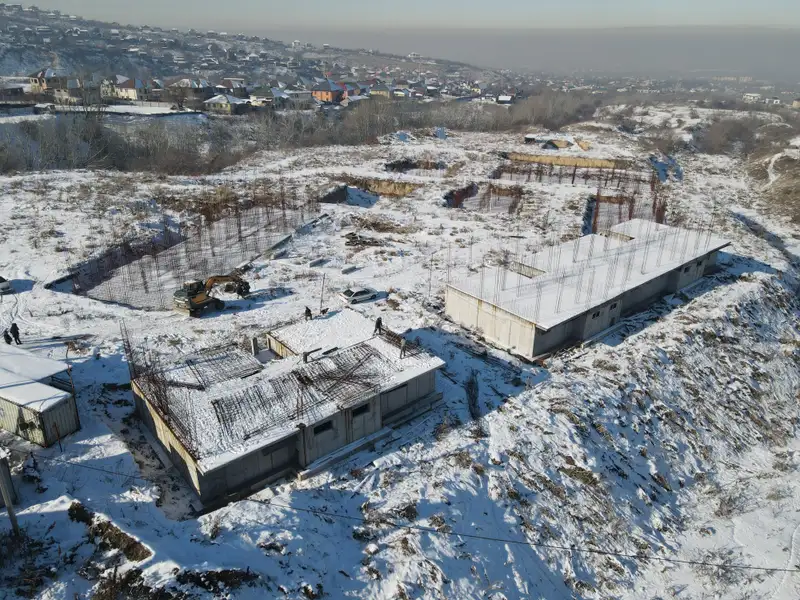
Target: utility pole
x,y
322,293
7,492
430,277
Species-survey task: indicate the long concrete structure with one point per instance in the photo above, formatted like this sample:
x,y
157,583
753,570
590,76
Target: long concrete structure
x,y
573,291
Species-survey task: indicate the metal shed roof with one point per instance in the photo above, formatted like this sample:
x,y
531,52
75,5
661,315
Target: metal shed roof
x,y
29,394
21,362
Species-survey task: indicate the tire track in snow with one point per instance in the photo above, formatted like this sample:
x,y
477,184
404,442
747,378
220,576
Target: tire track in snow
x,y
773,177
790,560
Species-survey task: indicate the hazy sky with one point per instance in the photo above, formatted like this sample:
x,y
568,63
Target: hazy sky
x,y
254,16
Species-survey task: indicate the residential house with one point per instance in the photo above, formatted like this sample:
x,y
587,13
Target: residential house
x,y
190,91
236,86
350,89
774,101
225,104
381,89
298,97
125,88
328,91
46,80
352,101
751,98
796,104
78,92
281,98
262,96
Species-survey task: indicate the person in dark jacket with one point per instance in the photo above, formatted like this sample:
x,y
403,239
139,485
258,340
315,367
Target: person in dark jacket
x,y
378,326
15,333
6,336
308,314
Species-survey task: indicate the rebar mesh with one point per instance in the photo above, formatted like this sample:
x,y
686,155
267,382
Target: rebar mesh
x,y
146,274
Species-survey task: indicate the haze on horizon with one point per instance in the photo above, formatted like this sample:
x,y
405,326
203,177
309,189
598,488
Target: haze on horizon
x,y
250,15
614,36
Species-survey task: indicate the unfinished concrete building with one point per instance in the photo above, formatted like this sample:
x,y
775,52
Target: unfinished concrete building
x,y
232,422
573,291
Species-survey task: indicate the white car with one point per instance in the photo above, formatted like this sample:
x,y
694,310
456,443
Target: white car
x,y
5,286
354,296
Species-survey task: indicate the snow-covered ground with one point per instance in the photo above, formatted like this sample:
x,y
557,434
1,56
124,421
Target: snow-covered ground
x,y
674,437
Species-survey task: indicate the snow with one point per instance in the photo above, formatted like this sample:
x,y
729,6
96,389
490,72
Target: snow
x,y
29,394
22,362
699,390
225,99
285,402
581,280
340,329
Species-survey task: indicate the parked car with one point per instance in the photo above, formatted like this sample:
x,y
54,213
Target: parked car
x,y
5,286
354,296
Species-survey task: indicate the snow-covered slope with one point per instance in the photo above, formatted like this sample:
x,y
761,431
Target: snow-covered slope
x,y
672,438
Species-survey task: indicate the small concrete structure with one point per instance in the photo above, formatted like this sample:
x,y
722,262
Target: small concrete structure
x,y
232,424
37,401
574,291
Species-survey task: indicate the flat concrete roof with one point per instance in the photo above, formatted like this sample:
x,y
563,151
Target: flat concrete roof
x,y
577,281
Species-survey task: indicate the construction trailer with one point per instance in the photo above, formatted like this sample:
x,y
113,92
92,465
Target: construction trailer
x,y
232,422
37,400
573,291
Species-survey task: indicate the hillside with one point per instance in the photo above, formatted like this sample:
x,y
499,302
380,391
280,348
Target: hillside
x,y
671,438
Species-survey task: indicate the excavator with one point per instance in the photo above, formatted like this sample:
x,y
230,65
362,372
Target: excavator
x,y
195,297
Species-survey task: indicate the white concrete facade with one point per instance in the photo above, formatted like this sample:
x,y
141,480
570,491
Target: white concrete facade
x,y
583,291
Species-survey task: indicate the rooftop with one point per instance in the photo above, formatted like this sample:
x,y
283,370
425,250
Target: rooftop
x,y
580,275
21,362
27,393
228,404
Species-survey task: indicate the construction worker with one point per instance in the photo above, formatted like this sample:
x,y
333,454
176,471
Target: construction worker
x,y
15,333
402,347
6,336
308,314
378,326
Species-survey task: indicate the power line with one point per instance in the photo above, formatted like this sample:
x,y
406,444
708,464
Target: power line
x,y
571,548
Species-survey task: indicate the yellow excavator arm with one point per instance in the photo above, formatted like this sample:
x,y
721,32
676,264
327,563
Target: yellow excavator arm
x,y
217,279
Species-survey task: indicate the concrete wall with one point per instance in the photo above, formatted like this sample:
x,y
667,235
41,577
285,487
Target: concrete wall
x,y
691,272
402,401
363,420
178,455
279,347
508,331
495,324
324,437
639,298
558,336
261,466
252,470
